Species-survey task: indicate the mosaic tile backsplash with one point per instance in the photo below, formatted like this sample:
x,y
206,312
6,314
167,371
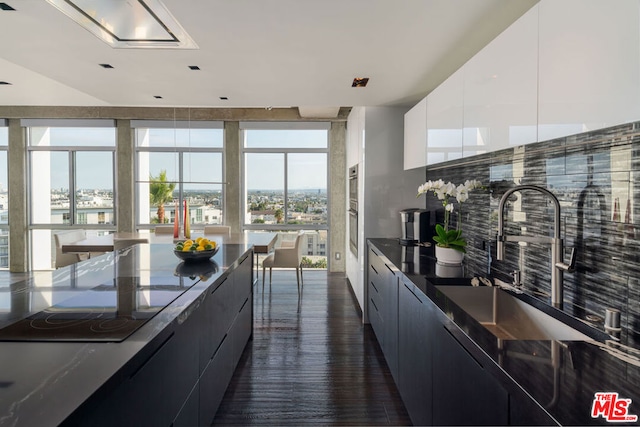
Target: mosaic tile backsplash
x,y
596,178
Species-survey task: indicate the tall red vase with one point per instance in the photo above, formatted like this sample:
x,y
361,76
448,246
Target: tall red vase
x,y
176,221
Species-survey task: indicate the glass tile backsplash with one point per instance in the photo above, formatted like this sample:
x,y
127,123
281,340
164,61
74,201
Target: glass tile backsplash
x,y
596,177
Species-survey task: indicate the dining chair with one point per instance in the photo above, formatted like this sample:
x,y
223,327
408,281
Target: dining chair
x,y
164,229
217,229
285,256
65,237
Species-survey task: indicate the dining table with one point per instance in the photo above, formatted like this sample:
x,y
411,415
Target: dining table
x,y
262,242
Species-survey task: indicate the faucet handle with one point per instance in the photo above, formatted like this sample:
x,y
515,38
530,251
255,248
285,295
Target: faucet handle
x,y
517,278
571,267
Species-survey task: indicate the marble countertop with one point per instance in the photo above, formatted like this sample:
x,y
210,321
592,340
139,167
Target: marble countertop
x,y
42,383
562,376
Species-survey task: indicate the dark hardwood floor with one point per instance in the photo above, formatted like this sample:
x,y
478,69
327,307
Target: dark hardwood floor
x,y
311,361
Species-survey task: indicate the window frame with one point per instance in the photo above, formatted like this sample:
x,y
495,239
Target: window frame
x,y
286,151
180,150
71,150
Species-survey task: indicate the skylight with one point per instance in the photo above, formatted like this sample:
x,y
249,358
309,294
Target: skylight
x,y
128,23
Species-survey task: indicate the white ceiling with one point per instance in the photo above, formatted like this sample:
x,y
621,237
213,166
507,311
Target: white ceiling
x,y
258,53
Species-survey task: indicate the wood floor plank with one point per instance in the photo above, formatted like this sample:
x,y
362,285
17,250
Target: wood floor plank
x,y
311,361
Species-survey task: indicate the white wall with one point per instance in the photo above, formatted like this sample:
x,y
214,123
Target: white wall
x,y
375,139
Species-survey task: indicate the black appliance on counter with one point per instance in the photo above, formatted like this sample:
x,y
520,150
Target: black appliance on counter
x,y
416,227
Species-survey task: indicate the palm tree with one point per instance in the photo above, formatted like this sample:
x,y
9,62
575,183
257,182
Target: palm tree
x,y
160,192
278,215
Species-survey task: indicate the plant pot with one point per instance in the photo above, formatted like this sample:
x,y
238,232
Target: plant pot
x,y
448,256
449,270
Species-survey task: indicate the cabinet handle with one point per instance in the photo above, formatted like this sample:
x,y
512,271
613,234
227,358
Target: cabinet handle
x,y
374,269
389,268
374,287
412,293
220,285
463,346
376,253
374,304
156,351
243,304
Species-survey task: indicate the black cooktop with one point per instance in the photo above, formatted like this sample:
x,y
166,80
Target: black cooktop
x,y
109,312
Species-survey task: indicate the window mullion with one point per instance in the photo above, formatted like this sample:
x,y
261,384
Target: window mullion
x,y
72,187
286,188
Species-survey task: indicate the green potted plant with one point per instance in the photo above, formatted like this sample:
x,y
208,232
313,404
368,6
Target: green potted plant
x,y
450,244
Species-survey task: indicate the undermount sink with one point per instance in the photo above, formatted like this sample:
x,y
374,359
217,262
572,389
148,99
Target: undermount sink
x,y
507,317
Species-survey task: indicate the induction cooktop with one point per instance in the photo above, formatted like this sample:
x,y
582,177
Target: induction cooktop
x,y
110,312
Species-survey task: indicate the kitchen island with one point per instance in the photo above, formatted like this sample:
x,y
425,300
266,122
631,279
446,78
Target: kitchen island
x,y
191,324
452,370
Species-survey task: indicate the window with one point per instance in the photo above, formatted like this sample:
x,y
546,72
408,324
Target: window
x,y
71,180
186,160
285,176
285,172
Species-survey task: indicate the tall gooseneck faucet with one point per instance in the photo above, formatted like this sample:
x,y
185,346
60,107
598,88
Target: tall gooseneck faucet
x,y
557,263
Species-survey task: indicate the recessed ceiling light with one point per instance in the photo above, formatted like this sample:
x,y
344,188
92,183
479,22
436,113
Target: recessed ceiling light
x,y
4,6
194,67
4,83
360,82
224,98
157,96
128,24
106,65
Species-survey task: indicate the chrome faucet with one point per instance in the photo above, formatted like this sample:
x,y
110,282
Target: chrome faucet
x,y
557,251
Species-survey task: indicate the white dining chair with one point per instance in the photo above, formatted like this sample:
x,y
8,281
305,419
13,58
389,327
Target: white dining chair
x,y
164,229
285,256
217,229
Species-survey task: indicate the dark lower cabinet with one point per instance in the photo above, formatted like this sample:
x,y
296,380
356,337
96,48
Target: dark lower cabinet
x,y
414,354
464,392
382,302
183,379
524,411
443,376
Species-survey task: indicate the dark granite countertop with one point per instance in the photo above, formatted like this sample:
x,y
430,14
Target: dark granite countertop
x,y
562,376
42,383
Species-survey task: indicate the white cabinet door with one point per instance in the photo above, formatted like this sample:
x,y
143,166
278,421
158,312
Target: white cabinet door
x,y
415,136
589,65
501,90
444,120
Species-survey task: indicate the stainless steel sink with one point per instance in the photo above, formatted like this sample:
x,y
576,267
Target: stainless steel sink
x,y
507,317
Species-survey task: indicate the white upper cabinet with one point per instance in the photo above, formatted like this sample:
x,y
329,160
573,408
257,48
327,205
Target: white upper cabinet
x,y
589,65
415,136
501,90
444,120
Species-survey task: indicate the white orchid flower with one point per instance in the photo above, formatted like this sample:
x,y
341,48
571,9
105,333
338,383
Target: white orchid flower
x,y
463,193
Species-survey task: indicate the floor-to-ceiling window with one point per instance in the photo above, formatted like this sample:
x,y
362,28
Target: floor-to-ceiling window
x,y
178,162
285,182
71,181
4,197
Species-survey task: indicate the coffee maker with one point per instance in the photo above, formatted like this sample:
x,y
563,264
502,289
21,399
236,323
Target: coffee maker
x,y
416,227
